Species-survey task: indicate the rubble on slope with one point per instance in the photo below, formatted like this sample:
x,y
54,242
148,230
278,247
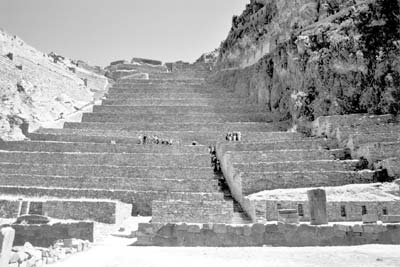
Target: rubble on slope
x,y
36,88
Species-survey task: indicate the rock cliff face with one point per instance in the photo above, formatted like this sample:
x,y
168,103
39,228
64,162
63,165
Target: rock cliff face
x,y
37,88
307,58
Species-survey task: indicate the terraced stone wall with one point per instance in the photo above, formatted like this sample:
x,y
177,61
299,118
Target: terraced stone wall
x,y
46,235
193,211
105,212
273,234
337,211
98,211
253,183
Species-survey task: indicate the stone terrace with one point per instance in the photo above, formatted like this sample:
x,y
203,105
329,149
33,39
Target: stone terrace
x,y
290,160
102,158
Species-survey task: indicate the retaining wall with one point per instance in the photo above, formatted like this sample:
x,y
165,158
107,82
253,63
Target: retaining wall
x,y
192,211
260,210
138,184
46,235
326,126
141,200
272,234
251,183
99,211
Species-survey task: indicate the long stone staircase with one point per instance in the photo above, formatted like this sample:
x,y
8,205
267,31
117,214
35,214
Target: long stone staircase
x,y
104,158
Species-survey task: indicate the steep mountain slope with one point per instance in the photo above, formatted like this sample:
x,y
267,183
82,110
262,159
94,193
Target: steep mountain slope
x,y
37,88
309,58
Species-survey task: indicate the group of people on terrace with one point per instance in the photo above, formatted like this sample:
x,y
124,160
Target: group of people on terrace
x,y
153,140
235,136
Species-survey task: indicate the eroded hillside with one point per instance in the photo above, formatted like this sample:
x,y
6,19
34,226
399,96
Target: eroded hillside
x,y
36,88
309,58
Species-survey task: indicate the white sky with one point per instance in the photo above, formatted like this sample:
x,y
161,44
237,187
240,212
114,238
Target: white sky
x,y
100,31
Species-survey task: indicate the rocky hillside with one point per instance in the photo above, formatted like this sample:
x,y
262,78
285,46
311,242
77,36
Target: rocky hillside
x,y
308,58
36,88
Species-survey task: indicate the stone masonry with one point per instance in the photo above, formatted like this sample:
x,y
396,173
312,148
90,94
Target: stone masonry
x,y
146,145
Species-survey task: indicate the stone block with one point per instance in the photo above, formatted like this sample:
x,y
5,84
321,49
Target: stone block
x,y
317,203
272,228
145,241
258,228
220,228
325,231
238,230
371,228
370,218
342,227
339,233
357,228
391,218
181,227
7,235
146,228
207,226
166,230
287,229
194,228
230,229
305,232
246,230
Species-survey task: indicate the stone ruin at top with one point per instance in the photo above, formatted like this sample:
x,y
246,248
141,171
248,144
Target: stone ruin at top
x,y
228,151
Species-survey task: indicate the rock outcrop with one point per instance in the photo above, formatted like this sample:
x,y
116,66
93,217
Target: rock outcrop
x,y
310,58
36,88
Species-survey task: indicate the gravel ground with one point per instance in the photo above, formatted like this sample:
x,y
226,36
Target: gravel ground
x,y
118,254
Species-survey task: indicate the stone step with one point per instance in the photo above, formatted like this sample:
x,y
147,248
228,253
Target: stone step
x,y
172,96
142,200
356,140
111,183
187,137
175,102
254,182
375,152
343,133
179,76
113,159
204,127
107,171
327,125
49,146
282,155
309,165
171,80
170,110
306,143
165,89
153,90
192,211
165,85
175,118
